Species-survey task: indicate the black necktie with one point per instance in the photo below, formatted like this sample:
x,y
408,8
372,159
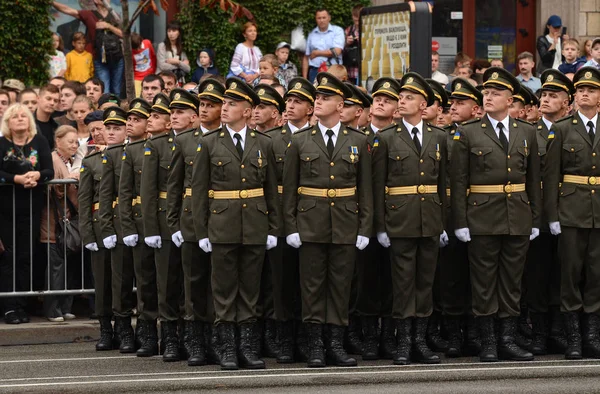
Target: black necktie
x,y
330,142
415,133
591,133
238,144
502,137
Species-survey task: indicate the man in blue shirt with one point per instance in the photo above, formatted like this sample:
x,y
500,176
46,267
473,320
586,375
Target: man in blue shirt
x,y
526,64
324,45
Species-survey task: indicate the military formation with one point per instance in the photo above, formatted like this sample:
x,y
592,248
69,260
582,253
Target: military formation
x,y
373,231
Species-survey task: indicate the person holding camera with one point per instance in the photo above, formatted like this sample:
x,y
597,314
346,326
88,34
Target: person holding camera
x,y
549,45
351,50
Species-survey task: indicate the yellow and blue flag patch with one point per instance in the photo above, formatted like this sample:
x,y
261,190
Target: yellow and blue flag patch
x,y
147,151
456,136
199,148
551,135
375,142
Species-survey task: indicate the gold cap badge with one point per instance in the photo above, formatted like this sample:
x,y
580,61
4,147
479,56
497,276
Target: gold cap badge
x,y
494,75
112,113
137,105
550,78
410,80
298,85
458,86
324,81
386,85
158,101
261,92
210,87
233,85
177,96
588,75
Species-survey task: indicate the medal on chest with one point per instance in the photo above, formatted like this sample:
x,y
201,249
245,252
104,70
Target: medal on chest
x,y
353,153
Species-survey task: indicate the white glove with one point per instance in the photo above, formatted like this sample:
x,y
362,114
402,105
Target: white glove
x,y
293,240
205,245
177,239
443,239
92,246
271,242
463,234
535,232
110,241
362,242
383,239
130,240
153,241
555,228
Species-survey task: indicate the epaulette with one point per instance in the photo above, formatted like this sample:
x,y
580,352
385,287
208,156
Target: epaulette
x,y
525,121
568,117
93,154
164,135
431,127
273,130
392,126
212,132
121,146
475,120
303,129
254,133
355,130
185,132
137,142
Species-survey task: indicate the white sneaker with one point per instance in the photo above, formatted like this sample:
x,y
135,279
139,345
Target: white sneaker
x,y
69,316
56,319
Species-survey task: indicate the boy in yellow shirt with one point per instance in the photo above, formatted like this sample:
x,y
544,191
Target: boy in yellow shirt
x,y
80,65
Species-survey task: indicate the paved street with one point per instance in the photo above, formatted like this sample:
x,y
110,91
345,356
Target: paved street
x,y
77,368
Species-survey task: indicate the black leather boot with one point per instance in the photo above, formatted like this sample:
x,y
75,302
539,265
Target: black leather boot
x,y
420,351
211,341
184,332
270,347
334,345
487,334
247,351
370,327
196,345
302,345
229,359
573,351
106,335
387,339
557,339
126,337
403,341
472,341
591,336
316,353
353,338
454,336
507,346
434,336
523,324
149,340
286,342
539,329
170,339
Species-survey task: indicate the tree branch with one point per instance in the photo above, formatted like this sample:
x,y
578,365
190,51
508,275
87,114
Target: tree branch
x,y
137,13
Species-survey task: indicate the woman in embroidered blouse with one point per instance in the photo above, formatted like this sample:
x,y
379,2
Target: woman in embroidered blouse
x,y
246,57
58,308
25,164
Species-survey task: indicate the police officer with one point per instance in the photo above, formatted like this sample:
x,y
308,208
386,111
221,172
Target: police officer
x,y
454,263
327,201
195,262
283,259
266,116
89,225
130,210
543,264
112,232
235,211
496,159
373,264
571,205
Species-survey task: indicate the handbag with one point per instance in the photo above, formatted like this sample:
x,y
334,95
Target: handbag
x,y
16,163
67,232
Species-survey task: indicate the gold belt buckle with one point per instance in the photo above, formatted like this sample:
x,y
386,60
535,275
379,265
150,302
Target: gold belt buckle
x,y
387,190
592,180
331,193
211,194
421,189
508,188
244,194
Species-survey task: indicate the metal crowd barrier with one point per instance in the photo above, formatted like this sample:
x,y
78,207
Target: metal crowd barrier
x,y
35,243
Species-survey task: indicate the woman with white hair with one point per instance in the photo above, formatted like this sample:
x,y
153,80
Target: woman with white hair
x,y
25,164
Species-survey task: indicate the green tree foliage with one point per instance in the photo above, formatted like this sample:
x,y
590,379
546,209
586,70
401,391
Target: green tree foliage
x,y
211,27
25,40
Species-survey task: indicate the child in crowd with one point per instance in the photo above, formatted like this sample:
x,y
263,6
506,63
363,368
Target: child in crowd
x,y
572,62
58,62
94,88
267,67
339,71
595,60
144,60
287,70
206,64
80,65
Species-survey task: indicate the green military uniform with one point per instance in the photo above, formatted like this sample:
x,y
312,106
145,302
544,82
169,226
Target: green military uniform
x,y
110,223
570,198
409,179
454,262
130,211
327,200
375,295
89,227
234,204
501,211
543,264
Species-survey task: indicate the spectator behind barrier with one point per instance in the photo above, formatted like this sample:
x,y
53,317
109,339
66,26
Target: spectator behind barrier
x,y
144,60
29,98
351,55
436,75
26,163
244,63
4,101
48,102
525,65
206,65
170,55
94,88
58,62
549,45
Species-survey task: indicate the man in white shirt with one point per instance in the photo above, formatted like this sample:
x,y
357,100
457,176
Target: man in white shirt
x,y
437,75
324,44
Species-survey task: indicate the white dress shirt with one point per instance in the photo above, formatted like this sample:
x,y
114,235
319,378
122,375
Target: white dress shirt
x,y
505,122
242,134
335,129
375,129
419,127
293,128
205,130
547,123
586,120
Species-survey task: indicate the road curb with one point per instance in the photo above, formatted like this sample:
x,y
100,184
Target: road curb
x,y
40,331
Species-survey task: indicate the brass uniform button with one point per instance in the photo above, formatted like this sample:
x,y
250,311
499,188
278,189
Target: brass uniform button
x,y
509,170
243,179
244,205
422,173
332,203
242,166
332,177
332,164
421,161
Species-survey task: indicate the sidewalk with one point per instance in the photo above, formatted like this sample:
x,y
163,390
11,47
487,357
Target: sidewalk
x,y
41,331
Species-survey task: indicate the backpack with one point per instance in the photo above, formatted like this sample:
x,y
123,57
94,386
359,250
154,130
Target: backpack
x,y
108,44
